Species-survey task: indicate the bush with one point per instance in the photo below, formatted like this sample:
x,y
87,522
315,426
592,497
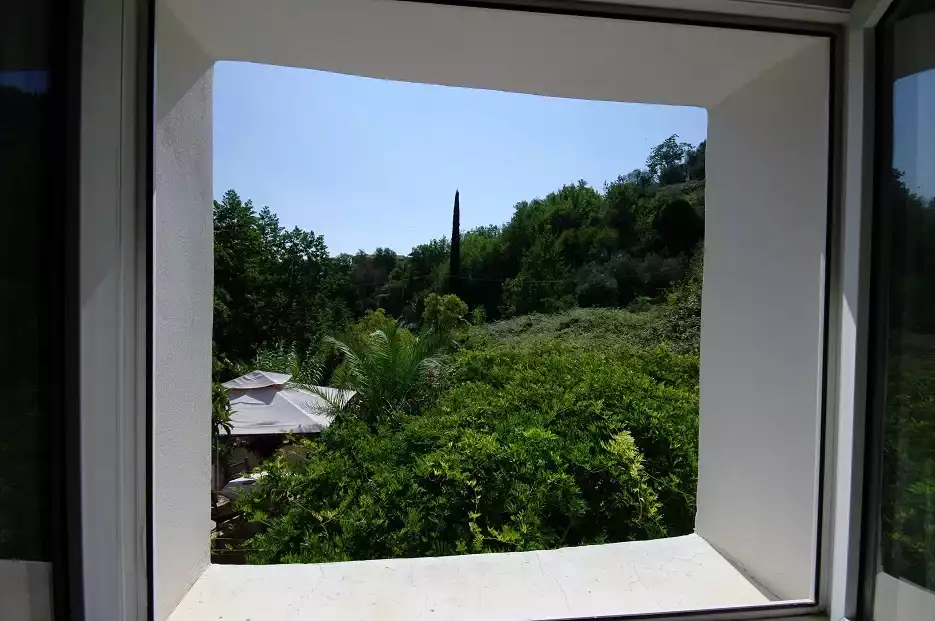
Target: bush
x,y
532,446
607,328
596,287
681,325
443,313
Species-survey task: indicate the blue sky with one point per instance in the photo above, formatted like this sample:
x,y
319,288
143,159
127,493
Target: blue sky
x,y
370,163
914,131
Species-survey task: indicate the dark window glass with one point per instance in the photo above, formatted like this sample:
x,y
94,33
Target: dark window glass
x,y
30,319
906,212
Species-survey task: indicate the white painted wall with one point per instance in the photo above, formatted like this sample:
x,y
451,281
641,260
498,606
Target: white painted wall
x,y
526,52
767,199
183,283
761,339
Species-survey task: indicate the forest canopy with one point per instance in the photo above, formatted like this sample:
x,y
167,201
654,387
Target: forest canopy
x,y
577,246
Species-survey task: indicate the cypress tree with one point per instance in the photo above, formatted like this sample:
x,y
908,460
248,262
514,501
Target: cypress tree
x,y
454,265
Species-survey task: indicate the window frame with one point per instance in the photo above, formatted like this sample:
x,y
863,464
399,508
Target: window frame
x,y
113,293
58,314
879,319
135,199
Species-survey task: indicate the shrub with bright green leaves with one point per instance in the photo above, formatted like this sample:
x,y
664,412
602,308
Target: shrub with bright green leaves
x,y
533,446
443,313
681,325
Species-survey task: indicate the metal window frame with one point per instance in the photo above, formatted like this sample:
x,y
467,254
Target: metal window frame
x,y
113,293
67,575
878,325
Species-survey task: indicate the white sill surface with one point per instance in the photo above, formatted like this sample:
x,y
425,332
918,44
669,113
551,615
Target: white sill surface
x,y
679,573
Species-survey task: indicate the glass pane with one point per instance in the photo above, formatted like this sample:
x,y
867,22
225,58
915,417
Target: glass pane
x,y
26,432
31,311
907,544
30,321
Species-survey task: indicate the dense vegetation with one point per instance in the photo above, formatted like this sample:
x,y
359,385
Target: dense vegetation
x,y
524,386
576,247
529,443
908,498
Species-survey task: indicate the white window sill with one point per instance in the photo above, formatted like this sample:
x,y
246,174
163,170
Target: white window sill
x,y
898,599
679,573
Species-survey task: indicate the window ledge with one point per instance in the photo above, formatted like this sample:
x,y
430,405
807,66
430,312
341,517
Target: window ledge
x,y
678,573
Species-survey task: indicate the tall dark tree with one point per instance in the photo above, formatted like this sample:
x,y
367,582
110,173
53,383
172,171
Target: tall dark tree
x,y
454,265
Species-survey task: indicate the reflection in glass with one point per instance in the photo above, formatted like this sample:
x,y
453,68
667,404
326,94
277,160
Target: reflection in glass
x,y
29,430
908,208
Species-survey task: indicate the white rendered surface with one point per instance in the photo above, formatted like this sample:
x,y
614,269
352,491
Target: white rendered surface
x,y
182,313
752,83
899,600
761,335
680,573
558,55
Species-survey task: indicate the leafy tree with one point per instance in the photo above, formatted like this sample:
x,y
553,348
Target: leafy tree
x,y
443,313
695,162
666,161
678,226
271,285
543,284
596,287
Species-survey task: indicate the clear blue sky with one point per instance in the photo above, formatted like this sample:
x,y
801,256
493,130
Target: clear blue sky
x,y
914,131
370,163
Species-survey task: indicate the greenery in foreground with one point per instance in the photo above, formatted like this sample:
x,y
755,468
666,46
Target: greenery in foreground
x,y
530,443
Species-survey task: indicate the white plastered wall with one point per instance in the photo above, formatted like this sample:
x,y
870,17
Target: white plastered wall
x,y
765,238
762,322
183,284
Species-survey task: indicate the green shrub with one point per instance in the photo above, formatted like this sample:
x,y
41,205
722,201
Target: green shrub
x,y
681,325
532,446
443,313
608,328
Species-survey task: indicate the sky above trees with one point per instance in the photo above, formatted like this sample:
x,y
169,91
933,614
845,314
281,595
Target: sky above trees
x,y
373,163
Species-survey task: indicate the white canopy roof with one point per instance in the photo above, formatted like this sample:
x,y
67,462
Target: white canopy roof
x,y
260,404
257,379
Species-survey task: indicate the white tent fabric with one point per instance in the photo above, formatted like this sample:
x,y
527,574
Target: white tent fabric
x,y
261,405
257,379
